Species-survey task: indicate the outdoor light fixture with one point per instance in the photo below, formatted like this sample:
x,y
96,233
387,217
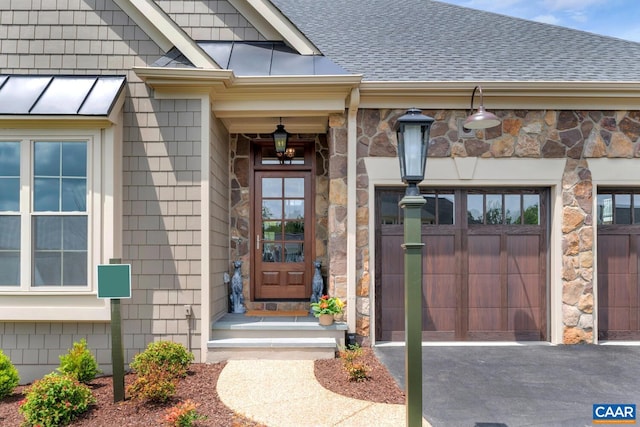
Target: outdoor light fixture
x,y
412,130
280,139
481,119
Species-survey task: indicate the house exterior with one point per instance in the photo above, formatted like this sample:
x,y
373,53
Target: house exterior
x,y
141,130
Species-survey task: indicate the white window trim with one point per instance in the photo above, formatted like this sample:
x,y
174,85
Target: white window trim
x,y
103,209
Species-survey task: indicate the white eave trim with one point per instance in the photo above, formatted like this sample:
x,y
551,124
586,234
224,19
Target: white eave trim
x,y
164,31
503,95
273,25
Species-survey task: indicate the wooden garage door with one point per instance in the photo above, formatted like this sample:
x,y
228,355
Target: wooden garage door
x,y
484,265
618,257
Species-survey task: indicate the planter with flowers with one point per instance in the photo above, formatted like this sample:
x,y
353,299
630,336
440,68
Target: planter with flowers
x,y
326,309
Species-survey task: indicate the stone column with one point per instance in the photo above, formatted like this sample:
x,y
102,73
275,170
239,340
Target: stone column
x,y
577,253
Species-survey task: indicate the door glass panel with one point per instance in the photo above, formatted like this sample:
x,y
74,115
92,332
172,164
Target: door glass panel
x,y
636,208
446,208
623,208
512,209
271,209
271,187
294,252
294,230
294,209
531,206
271,230
494,209
389,209
605,209
294,187
428,213
475,208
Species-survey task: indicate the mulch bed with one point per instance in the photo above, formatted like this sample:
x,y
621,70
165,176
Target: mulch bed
x,y
199,386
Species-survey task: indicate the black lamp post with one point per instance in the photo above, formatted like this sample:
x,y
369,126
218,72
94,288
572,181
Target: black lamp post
x,y
413,139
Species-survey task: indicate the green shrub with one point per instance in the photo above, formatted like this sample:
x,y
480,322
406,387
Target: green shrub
x,y
9,377
79,362
183,414
55,400
170,356
156,384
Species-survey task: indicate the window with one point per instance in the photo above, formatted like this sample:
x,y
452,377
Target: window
x,y
44,220
499,208
618,207
439,207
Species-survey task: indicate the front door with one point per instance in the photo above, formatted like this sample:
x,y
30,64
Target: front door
x,y
282,258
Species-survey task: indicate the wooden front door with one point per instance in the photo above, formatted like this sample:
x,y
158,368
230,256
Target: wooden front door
x,y
283,232
484,265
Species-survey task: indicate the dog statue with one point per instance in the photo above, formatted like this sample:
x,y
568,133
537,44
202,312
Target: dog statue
x,y
237,299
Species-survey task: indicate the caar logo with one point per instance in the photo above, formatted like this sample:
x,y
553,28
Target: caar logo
x,y
605,413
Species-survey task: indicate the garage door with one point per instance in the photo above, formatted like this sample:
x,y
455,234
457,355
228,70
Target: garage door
x,y
484,265
618,257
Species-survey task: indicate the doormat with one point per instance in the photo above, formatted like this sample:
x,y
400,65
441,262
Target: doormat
x,y
276,313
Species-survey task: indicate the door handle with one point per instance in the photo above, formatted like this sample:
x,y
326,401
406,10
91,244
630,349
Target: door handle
x,y
257,242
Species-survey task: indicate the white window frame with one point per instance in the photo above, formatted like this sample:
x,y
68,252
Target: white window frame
x,y
28,302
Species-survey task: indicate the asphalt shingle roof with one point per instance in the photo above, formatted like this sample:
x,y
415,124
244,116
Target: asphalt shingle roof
x,y
425,40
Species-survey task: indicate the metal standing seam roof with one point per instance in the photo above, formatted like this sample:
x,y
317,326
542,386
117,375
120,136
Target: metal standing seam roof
x,y
59,95
425,40
257,59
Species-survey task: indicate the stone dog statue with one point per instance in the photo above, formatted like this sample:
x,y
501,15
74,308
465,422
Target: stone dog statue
x,y
237,299
317,285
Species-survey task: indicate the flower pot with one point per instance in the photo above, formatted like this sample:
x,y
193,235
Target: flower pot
x,y
325,319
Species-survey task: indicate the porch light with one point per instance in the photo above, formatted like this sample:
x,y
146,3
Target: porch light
x,y
412,130
481,119
280,139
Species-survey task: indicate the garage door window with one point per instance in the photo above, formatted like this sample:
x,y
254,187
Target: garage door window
x,y
503,209
618,208
439,208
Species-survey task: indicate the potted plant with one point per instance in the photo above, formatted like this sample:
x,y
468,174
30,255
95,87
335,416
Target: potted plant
x,y
326,308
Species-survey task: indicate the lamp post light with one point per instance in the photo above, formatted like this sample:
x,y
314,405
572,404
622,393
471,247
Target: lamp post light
x,y
413,138
412,131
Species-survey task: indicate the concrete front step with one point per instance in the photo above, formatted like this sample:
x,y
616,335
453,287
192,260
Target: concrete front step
x,y
236,336
271,348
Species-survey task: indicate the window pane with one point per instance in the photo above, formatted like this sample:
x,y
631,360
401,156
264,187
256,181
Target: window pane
x,y
272,252
605,209
271,187
512,209
10,268
74,269
47,270
9,233
271,230
531,206
294,187
9,194
74,159
74,195
271,209
47,159
294,252
494,209
446,208
10,159
46,194
294,209
74,233
294,230
475,208
48,232
636,208
389,208
622,203
429,209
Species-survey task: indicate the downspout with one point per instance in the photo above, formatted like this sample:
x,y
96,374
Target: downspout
x,y
352,164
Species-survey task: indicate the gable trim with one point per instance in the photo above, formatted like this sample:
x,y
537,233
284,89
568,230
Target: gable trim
x,y
164,31
273,25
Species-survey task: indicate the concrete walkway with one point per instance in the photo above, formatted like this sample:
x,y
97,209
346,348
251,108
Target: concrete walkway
x,y
282,393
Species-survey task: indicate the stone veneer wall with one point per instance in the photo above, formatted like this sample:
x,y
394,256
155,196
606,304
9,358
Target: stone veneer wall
x,y
240,214
574,135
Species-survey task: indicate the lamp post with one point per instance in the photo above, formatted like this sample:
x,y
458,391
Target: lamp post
x,y
413,139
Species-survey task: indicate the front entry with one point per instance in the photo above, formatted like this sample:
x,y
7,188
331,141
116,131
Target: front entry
x,y
283,228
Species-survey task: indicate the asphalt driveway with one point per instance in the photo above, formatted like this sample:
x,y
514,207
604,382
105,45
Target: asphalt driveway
x,y
536,385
